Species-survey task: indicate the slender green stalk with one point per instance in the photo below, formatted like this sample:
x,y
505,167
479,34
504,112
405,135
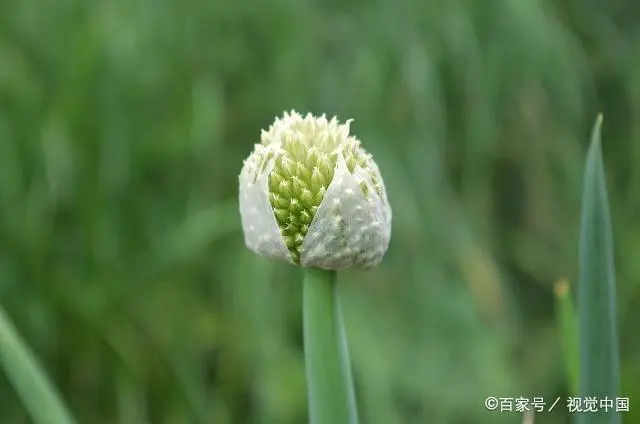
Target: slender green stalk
x,y
599,362
329,381
28,378
568,322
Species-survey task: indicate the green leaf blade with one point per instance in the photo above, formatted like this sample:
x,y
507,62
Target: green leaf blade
x,y
599,360
33,386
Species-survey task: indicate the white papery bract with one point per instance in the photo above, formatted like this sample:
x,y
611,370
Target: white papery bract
x,y
311,195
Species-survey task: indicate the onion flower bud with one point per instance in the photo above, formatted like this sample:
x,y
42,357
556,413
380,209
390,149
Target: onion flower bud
x,y
310,195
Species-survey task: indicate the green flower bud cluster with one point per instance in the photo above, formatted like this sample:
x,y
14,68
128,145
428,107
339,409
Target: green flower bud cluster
x,y
325,196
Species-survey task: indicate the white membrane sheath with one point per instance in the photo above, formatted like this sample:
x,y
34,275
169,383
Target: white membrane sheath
x,y
348,229
261,231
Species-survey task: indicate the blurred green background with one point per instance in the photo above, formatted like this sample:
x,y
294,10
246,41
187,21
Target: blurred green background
x,y
123,126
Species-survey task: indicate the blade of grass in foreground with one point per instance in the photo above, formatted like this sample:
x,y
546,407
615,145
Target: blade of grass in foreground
x,y
568,321
599,362
29,380
329,383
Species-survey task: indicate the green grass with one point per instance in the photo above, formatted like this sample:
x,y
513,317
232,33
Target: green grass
x,y
35,390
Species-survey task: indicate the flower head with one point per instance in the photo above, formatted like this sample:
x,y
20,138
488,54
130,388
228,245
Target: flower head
x,y
311,195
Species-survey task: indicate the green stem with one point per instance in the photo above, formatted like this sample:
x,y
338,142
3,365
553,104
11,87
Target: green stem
x,y
29,380
569,335
329,381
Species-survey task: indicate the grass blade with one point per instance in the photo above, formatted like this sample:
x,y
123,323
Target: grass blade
x,y
28,379
568,321
329,382
599,362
